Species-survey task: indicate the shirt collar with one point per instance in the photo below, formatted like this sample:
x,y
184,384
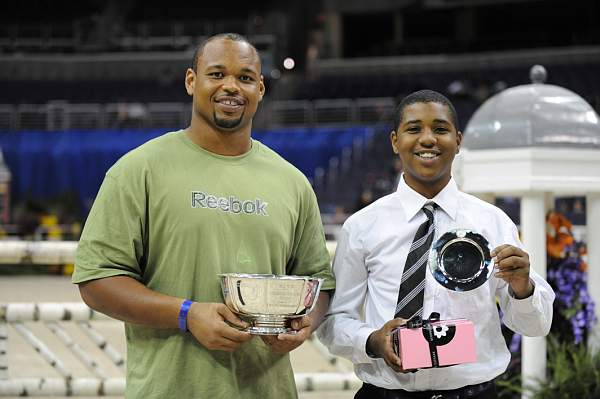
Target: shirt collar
x,y
412,201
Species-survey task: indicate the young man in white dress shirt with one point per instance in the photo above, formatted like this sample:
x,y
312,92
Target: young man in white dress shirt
x,y
372,251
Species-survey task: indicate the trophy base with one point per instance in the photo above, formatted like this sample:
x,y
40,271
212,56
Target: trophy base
x,y
269,330
263,326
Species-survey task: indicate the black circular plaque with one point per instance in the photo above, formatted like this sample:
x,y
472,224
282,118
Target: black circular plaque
x,y
460,260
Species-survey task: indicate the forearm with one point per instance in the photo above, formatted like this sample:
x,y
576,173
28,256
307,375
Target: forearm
x,y
320,309
346,336
522,289
531,316
126,299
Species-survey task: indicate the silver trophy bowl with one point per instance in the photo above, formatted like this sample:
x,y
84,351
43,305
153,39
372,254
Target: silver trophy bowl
x,y
269,302
460,260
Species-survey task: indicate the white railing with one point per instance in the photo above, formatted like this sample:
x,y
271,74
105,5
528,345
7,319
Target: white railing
x,y
63,252
37,252
54,316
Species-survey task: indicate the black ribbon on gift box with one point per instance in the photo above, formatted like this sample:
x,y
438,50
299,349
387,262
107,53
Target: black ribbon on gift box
x,y
434,335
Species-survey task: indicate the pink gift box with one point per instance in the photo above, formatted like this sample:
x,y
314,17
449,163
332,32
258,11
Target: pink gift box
x,y
435,343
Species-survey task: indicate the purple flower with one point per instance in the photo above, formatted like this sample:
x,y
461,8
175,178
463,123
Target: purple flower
x,y
573,301
515,343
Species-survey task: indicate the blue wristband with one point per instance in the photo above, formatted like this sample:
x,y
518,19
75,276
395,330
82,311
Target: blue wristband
x,y
183,311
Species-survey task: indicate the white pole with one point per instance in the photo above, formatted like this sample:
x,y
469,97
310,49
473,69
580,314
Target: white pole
x,y
593,247
116,386
37,252
90,387
103,344
327,382
77,350
3,350
50,311
43,350
533,233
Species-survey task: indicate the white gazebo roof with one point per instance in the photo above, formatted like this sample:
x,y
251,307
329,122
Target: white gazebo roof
x,y
534,137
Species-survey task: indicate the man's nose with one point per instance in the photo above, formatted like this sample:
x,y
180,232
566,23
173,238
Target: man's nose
x,y
427,137
230,84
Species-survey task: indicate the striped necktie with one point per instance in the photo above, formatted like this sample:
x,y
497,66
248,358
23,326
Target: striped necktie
x,y
412,287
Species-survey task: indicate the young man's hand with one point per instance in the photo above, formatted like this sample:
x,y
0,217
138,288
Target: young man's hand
x,y
379,344
512,265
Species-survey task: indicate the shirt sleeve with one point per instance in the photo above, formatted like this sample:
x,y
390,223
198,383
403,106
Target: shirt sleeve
x,y
531,316
112,241
310,255
343,331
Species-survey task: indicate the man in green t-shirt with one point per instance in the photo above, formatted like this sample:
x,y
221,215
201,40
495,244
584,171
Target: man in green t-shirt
x,y
174,213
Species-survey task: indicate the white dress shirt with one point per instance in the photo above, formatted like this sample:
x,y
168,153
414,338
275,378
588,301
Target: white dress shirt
x,y
369,260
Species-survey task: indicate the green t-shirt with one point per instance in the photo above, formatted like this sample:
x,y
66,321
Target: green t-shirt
x,y
173,215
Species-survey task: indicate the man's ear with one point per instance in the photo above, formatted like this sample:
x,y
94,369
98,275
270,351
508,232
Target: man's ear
x,y
393,138
190,81
459,137
261,88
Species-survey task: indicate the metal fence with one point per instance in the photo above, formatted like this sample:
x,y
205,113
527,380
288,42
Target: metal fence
x,y
62,115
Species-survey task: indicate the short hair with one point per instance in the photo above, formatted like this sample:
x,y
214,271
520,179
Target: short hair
x,y
236,37
424,96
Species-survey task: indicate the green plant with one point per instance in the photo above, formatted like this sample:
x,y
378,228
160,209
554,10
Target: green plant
x,y
508,386
573,373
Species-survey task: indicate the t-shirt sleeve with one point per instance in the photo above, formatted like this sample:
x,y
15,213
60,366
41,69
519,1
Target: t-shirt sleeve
x,y
310,255
112,241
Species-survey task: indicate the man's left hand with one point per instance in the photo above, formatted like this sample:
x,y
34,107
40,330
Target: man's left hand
x,y
512,265
284,343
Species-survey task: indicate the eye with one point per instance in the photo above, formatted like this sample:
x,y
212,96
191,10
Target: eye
x,y
413,129
246,78
442,130
216,75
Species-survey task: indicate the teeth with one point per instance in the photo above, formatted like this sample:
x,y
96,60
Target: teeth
x,y
427,155
229,102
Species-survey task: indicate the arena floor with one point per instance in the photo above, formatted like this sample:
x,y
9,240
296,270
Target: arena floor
x,y
25,362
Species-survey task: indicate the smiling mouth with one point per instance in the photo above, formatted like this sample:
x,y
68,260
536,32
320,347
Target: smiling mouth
x,y
427,155
228,105
232,103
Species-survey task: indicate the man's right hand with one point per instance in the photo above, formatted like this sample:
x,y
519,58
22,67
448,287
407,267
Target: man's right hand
x,y
380,344
208,323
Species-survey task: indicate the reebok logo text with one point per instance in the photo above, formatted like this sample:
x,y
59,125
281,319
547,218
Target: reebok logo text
x,y
229,204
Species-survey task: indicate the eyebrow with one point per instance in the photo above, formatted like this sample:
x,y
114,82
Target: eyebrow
x,y
222,67
416,121
216,66
249,70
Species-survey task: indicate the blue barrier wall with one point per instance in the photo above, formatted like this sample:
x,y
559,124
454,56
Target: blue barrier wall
x,y
46,164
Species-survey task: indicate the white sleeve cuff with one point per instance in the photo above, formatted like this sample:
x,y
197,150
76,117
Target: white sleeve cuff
x,y
360,346
525,305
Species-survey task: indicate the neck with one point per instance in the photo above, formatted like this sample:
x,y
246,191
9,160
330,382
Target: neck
x,y
427,189
228,143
